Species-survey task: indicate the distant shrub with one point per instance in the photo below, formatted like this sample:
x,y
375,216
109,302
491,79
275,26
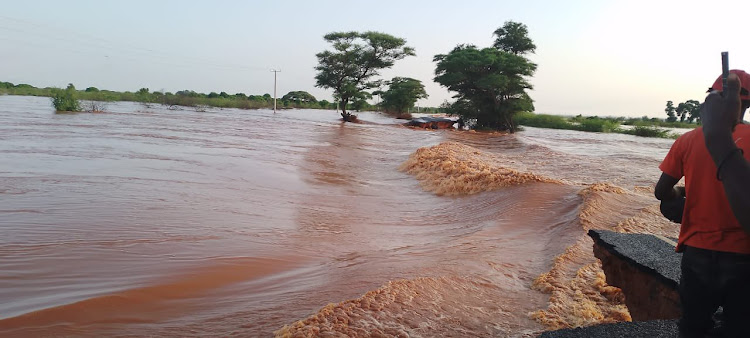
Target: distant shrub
x,y
594,124
102,96
542,121
660,123
597,125
649,131
65,99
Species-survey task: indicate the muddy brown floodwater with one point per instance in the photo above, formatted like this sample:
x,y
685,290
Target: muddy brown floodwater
x,y
147,221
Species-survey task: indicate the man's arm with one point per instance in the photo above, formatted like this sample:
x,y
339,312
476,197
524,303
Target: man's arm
x,y
719,115
666,190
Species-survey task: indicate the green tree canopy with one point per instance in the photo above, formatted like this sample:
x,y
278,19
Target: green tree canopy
x,y
360,103
694,111
689,110
490,84
402,94
513,37
670,110
355,60
299,97
144,95
188,93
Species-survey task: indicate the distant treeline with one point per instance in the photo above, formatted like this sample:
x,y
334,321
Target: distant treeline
x,y
641,126
189,98
186,98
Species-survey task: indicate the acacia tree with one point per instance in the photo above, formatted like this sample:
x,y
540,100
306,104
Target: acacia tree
x,y
514,37
355,60
490,83
402,94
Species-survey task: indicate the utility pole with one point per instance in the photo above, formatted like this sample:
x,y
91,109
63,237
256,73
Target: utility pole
x,y
274,88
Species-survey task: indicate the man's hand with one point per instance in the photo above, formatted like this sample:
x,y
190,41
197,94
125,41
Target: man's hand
x,y
719,115
679,191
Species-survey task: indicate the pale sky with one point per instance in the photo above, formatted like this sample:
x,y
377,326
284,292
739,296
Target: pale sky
x,y
624,58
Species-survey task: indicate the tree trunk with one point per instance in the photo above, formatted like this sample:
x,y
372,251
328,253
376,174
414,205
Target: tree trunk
x,y
348,117
510,123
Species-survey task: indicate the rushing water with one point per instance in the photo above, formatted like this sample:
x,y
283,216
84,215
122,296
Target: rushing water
x,y
148,221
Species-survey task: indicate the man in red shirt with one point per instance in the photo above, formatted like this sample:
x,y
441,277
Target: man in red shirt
x,y
716,250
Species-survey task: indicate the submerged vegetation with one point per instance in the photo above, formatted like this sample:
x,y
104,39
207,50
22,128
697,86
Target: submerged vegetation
x,y
65,100
93,99
402,94
641,127
356,59
543,121
490,83
648,131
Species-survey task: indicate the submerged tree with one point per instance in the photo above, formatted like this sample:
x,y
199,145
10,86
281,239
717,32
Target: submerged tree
x,y
355,60
402,94
490,83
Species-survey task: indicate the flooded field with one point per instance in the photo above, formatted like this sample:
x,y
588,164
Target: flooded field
x,y
148,221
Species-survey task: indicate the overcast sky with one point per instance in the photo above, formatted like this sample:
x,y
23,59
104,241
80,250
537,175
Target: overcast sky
x,y
594,57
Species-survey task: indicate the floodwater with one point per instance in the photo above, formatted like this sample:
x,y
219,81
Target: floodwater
x,y
148,221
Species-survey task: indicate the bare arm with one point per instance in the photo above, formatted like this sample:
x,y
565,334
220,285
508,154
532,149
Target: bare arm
x,y
719,115
666,188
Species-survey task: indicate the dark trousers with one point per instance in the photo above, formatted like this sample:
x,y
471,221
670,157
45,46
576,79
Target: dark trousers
x,y
711,279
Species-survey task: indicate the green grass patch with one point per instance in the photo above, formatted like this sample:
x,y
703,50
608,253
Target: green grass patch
x,y
649,131
542,121
665,124
597,124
